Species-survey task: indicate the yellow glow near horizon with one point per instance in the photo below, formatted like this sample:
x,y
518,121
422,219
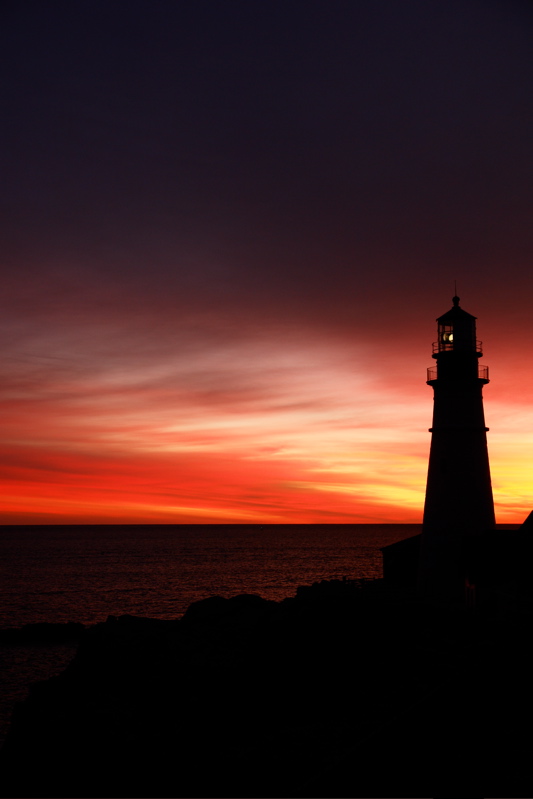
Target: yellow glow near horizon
x,y
249,432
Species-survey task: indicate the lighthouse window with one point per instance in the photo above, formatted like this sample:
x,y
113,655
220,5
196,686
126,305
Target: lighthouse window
x,y
446,338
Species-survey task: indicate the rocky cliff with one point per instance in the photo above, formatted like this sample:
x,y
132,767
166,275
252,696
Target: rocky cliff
x,y
343,690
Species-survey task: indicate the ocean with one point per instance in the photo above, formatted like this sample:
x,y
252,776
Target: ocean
x,y
84,573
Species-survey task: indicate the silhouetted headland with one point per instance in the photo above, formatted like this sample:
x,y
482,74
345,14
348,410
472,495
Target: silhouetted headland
x,y
347,689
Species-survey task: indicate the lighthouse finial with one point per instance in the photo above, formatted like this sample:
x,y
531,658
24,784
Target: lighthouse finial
x,y
455,299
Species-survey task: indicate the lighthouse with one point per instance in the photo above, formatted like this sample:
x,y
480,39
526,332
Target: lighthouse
x,y
459,507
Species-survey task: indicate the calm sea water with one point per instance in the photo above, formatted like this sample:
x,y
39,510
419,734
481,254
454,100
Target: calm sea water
x,y
85,573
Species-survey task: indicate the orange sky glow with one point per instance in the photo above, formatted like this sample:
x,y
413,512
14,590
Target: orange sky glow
x,y
280,428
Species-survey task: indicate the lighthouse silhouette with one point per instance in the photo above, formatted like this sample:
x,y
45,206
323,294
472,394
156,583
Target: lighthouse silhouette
x,y
459,506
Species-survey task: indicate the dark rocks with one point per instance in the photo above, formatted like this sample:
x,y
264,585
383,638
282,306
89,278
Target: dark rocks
x,y
340,691
239,609
43,633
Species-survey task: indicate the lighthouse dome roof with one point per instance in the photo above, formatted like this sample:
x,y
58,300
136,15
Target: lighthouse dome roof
x,y
455,314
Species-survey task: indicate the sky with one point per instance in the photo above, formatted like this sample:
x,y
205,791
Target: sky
x,y
228,228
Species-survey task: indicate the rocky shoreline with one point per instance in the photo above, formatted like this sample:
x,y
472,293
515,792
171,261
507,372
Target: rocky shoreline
x,y
345,690
43,633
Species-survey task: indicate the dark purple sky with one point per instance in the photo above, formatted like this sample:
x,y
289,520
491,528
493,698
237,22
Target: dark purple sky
x,y
296,153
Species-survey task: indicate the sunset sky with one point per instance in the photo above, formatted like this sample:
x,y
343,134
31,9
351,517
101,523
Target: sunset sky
x,y
228,227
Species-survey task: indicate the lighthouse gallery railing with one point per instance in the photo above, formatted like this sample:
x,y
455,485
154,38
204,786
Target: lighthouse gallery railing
x,y
447,346
482,373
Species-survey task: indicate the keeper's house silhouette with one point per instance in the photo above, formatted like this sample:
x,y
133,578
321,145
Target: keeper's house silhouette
x,y
460,557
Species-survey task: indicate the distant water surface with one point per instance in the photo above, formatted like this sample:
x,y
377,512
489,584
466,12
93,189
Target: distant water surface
x,y
85,572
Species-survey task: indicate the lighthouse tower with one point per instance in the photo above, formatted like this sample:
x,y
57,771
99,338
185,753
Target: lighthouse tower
x,y
459,506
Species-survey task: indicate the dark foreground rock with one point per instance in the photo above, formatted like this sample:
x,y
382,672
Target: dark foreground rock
x,y
343,691
43,633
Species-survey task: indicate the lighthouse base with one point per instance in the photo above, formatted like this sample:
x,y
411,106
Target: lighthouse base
x,y
492,567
